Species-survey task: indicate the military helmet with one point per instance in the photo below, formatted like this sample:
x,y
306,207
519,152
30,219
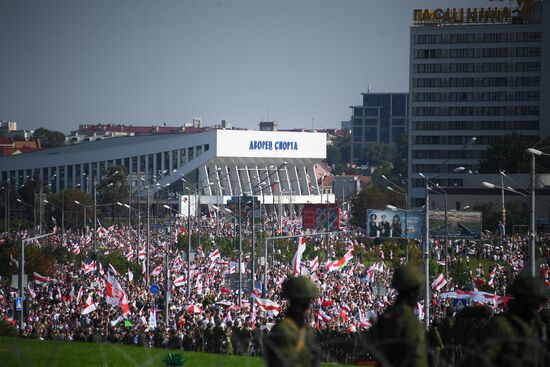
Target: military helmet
x,y
299,288
407,277
524,285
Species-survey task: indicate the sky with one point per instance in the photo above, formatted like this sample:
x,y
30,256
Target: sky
x,y
299,62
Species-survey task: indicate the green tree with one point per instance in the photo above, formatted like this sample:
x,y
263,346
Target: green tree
x,y
49,138
371,198
114,187
378,154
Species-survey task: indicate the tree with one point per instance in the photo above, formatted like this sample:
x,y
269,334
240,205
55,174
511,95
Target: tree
x,y
371,198
339,152
114,187
49,138
508,154
378,154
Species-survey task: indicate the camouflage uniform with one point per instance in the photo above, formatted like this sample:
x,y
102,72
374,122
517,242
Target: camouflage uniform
x,y
288,343
398,338
516,338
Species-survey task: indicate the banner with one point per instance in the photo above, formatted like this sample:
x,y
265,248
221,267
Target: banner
x,y
460,224
385,223
314,216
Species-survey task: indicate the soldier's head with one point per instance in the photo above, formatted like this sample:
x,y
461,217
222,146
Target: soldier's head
x,y
529,292
300,291
407,280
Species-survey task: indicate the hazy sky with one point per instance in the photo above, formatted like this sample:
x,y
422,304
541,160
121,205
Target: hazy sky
x,y
64,63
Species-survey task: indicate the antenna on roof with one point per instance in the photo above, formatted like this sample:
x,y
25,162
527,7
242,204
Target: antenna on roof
x,y
368,88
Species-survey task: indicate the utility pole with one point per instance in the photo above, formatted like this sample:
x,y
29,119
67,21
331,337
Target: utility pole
x,y
188,245
148,239
533,234
22,274
427,258
240,252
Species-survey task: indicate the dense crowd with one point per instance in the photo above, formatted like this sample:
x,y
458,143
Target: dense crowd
x,y
91,300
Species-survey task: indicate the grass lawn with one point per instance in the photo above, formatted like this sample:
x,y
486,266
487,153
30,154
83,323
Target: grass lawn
x,y
36,353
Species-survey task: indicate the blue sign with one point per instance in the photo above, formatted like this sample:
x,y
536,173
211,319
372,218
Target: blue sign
x,y
18,304
154,288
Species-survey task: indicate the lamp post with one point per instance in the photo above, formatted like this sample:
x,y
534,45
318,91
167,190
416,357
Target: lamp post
x,y
167,271
404,193
22,273
531,250
62,219
33,213
427,242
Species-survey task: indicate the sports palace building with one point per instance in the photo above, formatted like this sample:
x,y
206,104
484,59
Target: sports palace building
x,y
278,167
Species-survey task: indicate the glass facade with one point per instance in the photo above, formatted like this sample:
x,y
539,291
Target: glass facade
x,y
382,118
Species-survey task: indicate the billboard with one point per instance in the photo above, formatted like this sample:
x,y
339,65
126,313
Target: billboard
x,y
460,224
270,144
314,216
385,223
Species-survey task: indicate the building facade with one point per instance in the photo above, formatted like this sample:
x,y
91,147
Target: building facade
x,y
216,165
479,73
382,118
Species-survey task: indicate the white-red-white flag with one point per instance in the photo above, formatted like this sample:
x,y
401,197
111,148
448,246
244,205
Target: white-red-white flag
x,y
216,254
297,259
314,264
321,315
268,305
180,281
88,268
90,305
39,279
156,271
439,282
112,269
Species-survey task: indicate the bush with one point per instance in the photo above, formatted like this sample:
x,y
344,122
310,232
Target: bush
x,y
173,359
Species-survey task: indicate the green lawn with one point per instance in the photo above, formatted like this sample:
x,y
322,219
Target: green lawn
x,y
36,353
27,352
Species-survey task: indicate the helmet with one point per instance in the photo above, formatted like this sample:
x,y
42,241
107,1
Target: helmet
x,y
407,277
525,286
299,288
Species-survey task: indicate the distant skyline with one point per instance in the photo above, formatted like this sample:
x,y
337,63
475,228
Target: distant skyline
x,y
70,62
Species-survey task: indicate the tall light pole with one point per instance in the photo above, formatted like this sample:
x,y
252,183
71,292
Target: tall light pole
x,y
33,213
503,207
62,219
22,273
532,236
427,242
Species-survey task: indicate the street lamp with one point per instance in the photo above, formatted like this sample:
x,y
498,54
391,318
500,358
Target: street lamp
x,y
62,217
33,212
427,182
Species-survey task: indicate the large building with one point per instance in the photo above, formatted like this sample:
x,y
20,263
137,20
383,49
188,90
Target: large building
x,y
278,167
382,118
479,72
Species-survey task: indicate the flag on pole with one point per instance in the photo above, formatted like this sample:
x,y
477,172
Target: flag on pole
x,y
314,264
156,271
439,282
39,279
216,254
297,259
269,306
112,269
321,315
180,281
90,305
88,268
340,264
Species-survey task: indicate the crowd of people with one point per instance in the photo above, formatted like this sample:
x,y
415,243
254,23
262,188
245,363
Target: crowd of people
x,y
85,298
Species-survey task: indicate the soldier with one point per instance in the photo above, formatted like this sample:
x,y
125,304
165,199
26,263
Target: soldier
x,y
517,338
291,342
398,336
